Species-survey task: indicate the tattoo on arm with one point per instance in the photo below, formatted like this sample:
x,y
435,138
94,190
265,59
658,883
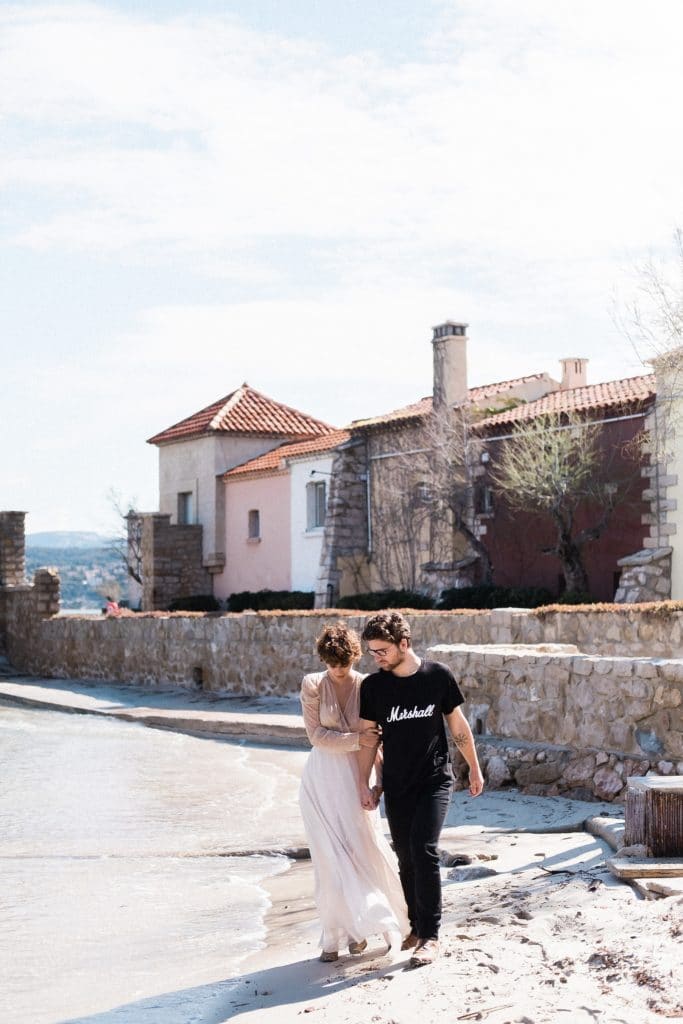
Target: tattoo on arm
x,y
460,739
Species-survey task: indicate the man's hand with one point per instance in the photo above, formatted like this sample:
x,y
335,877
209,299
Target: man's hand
x,y
368,798
476,781
369,737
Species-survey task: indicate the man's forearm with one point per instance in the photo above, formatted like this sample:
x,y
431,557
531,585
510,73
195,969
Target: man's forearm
x,y
463,739
366,759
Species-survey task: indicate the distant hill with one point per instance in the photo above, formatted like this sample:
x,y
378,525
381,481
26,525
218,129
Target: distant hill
x,y
71,539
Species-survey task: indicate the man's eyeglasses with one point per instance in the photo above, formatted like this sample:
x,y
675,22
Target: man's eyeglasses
x,y
378,652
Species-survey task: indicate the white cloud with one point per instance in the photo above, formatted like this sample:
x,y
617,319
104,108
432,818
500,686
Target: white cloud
x,y
338,206
536,128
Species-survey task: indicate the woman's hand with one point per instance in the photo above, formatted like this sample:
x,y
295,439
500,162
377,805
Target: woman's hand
x,y
369,737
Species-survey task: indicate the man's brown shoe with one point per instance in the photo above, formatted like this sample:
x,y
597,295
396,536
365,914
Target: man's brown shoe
x,y
426,952
355,948
328,956
410,941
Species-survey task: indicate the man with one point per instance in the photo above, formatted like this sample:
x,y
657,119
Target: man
x,y
409,698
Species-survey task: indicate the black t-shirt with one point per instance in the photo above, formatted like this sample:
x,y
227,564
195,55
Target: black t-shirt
x,y
410,710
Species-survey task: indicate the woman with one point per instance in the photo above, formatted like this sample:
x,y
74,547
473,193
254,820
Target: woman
x,y
357,889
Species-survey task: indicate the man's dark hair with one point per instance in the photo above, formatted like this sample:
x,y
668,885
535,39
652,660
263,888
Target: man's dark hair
x,y
388,626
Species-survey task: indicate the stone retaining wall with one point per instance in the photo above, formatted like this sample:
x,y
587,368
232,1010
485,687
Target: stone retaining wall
x,y
551,719
562,722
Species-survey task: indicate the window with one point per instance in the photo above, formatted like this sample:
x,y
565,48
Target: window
x,y
185,508
316,504
484,500
254,524
423,493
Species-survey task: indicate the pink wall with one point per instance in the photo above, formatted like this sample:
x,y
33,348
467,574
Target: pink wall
x,y
263,564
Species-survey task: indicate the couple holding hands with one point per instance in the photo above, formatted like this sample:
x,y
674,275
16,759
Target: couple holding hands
x,y
383,733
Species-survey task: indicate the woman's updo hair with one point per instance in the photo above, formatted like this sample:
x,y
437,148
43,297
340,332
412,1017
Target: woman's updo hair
x,y
338,645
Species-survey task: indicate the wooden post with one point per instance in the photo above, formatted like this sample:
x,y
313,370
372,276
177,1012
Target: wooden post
x,y
654,814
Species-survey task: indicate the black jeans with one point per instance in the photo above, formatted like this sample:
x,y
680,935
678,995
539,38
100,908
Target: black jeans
x,y
415,820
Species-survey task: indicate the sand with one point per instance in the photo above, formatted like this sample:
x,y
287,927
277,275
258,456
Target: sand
x,y
549,936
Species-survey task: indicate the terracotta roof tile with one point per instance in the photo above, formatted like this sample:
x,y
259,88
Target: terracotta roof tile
x,y
616,395
612,394
244,411
424,406
408,412
276,459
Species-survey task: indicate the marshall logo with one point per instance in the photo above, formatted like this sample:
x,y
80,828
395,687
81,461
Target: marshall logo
x,y
398,714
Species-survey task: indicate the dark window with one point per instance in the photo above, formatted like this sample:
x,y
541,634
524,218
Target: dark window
x,y
185,508
254,524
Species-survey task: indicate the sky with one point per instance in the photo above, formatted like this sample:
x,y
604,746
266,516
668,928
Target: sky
x,y
293,193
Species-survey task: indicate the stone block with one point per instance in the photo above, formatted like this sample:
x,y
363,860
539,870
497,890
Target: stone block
x,y
538,773
497,773
607,784
579,770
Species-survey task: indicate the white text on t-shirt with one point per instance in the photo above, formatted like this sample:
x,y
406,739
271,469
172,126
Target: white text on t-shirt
x,y
398,715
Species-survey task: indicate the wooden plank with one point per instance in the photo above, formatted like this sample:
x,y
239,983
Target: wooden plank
x,y
649,867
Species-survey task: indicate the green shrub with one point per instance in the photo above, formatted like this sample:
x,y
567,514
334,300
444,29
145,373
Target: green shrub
x,y
575,597
386,599
270,600
195,603
494,597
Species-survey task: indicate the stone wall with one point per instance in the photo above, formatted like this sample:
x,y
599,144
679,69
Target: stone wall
x,y
552,720
172,565
343,560
12,549
546,718
645,576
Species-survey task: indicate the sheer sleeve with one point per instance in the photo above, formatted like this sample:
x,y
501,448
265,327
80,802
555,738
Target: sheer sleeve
x,y
332,739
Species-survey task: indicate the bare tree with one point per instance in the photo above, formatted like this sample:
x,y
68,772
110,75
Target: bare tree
x,y
453,466
423,503
127,543
559,467
652,321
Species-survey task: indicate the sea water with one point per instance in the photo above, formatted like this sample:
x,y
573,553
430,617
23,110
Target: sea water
x,y
122,898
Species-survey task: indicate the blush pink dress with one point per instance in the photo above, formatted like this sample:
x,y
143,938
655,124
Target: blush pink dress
x,y
357,888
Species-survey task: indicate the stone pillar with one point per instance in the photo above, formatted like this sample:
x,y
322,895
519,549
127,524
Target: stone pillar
x,y
347,536
172,561
46,588
645,576
664,492
12,549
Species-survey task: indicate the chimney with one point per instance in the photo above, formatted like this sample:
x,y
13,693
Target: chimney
x,y
450,363
573,374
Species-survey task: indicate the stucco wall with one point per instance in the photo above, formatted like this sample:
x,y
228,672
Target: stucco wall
x,y
306,544
263,563
194,466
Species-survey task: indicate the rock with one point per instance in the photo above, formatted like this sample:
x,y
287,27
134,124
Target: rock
x,y
470,874
497,772
579,770
601,758
607,783
546,772
665,767
638,850
453,860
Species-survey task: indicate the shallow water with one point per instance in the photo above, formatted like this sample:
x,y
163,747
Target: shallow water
x,y
119,899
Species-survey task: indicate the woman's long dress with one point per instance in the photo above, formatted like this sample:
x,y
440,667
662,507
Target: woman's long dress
x,y
357,888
